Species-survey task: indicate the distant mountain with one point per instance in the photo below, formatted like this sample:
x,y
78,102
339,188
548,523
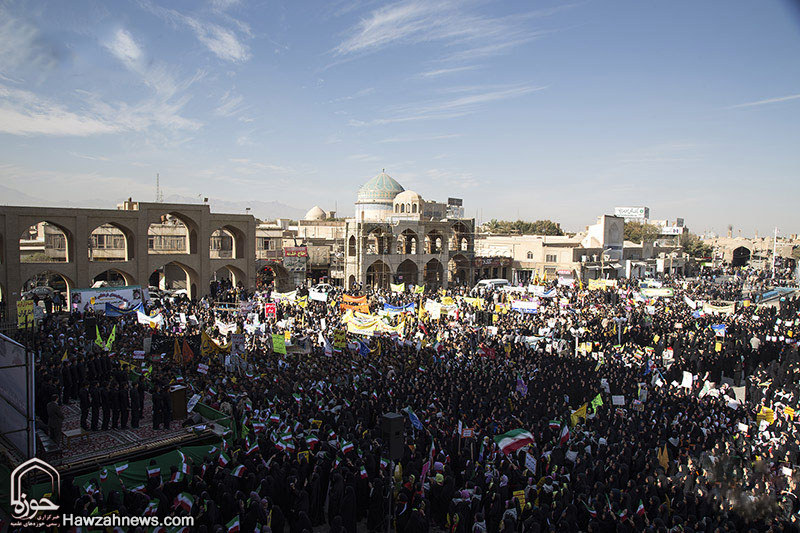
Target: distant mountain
x,y
259,209
9,196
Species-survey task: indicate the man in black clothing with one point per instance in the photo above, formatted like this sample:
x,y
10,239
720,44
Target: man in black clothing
x,y
166,407
136,410
115,404
156,407
124,403
96,396
66,380
85,400
105,397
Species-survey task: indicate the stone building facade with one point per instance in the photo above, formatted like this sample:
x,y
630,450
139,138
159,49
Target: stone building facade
x,y
398,237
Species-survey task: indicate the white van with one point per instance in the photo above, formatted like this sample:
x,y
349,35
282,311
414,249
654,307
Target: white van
x,y
490,284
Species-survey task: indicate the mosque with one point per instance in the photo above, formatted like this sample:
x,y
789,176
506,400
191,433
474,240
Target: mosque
x,y
398,237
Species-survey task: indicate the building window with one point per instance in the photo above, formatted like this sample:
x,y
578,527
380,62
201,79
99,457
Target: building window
x,y
414,208
166,243
551,258
55,241
402,208
530,255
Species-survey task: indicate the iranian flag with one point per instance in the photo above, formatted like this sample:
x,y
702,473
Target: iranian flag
x,y
564,435
185,501
363,473
103,475
384,463
640,509
347,447
153,472
152,508
513,440
311,440
252,449
238,471
223,459
591,510
555,424
274,418
176,477
233,525
121,468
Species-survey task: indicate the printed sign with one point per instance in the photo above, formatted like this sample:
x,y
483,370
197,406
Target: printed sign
x,y
25,314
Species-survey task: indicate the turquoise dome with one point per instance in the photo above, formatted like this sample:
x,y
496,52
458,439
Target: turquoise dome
x,y
382,188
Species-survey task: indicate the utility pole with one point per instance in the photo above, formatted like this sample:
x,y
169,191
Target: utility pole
x,y
774,248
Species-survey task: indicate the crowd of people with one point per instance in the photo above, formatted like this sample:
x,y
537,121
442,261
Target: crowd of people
x,y
669,412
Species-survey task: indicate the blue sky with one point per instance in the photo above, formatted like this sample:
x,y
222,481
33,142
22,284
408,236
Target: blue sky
x,y
529,109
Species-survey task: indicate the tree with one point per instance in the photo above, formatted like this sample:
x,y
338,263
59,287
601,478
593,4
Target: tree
x,y
523,227
639,232
694,245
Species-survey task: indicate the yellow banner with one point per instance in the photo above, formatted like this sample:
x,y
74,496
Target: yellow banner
x,y
766,414
25,314
209,348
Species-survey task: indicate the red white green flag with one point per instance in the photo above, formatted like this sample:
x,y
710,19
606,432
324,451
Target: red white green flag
x,y
513,440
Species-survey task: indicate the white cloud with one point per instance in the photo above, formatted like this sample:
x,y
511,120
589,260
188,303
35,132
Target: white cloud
x,y
419,21
451,108
249,167
230,105
23,47
421,138
124,48
223,42
363,157
358,94
25,113
768,101
445,71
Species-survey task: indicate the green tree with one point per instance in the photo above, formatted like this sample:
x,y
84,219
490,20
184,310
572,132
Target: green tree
x,y
524,227
639,232
694,245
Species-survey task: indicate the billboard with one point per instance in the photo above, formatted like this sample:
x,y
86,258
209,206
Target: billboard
x,y
671,230
632,212
295,258
126,297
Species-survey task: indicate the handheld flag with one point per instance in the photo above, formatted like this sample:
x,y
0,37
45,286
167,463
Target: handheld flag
x,y
513,440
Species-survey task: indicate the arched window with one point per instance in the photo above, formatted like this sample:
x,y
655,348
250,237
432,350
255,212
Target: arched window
x,y
414,208
402,208
351,246
408,208
530,255
396,208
